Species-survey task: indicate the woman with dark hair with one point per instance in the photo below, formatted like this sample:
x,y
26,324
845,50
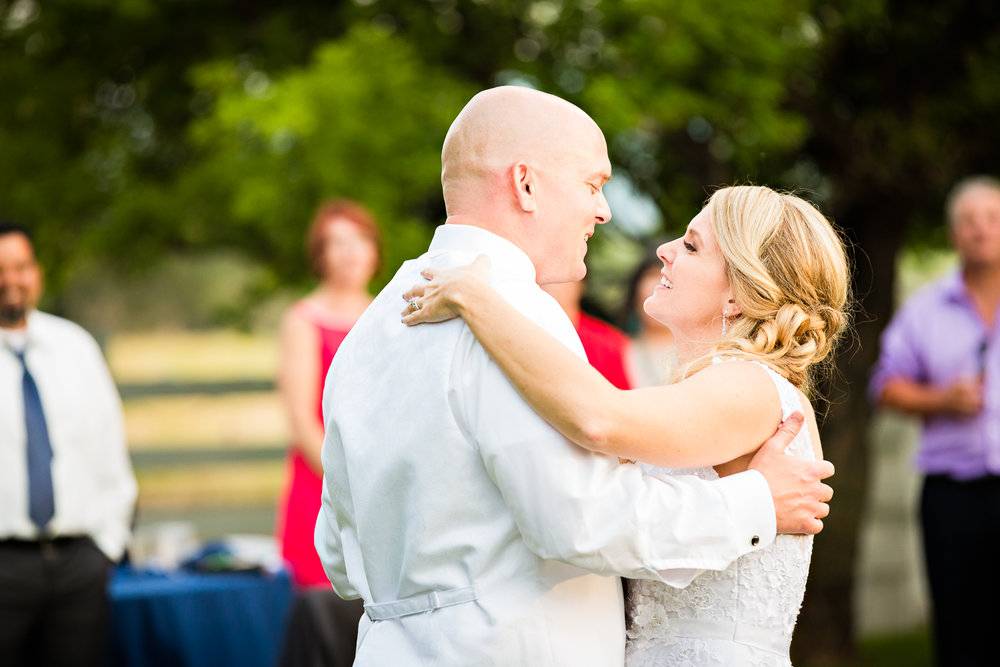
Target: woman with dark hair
x,y
651,354
343,248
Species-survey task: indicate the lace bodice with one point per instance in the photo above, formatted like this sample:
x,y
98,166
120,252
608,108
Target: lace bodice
x,y
743,615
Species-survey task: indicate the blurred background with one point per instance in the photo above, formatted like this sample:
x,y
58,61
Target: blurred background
x,y
169,156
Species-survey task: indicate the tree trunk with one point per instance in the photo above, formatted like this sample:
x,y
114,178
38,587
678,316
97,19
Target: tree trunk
x,y
826,632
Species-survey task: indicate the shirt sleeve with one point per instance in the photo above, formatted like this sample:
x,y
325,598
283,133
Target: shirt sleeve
x,y
117,489
330,548
588,510
899,354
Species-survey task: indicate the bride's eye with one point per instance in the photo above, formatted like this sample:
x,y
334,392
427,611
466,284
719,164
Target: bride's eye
x,y
689,247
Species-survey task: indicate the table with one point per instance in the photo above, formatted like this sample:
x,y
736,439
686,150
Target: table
x,y
184,619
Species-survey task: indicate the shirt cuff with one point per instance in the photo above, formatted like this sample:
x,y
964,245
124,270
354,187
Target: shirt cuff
x,y
754,522
111,542
752,508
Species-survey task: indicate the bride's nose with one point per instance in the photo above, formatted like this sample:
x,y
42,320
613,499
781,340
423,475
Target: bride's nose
x,y
668,251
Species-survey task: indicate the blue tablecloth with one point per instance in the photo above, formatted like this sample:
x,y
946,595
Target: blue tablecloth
x,y
193,620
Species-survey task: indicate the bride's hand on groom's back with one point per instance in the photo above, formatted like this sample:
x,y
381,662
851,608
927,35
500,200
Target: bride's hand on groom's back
x,y
446,291
800,496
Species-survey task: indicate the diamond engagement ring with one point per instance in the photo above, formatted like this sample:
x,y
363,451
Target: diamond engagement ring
x,y
413,304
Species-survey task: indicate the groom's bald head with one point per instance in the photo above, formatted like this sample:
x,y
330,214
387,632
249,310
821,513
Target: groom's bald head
x,y
502,126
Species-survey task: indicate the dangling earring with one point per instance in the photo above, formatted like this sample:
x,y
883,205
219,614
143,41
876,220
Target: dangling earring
x,y
725,314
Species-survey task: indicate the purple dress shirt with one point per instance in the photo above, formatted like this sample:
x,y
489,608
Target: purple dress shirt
x,y
937,337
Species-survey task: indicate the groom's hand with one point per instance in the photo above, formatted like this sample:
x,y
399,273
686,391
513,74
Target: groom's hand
x,y
800,497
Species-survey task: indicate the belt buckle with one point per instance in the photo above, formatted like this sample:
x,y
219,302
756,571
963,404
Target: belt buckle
x,y
47,546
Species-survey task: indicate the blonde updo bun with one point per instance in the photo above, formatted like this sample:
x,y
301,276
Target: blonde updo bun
x,y
790,279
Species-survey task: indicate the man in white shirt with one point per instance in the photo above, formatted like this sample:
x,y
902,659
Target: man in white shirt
x,y
67,490
473,531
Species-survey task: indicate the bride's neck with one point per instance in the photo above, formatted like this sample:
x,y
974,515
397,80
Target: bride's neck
x,y
689,349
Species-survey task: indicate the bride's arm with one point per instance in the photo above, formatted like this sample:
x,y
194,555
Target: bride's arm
x,y
715,416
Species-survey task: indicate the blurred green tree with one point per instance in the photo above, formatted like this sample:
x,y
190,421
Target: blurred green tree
x,y
363,119
900,103
96,105
106,98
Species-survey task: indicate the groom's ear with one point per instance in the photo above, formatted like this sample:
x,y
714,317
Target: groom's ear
x,y
523,182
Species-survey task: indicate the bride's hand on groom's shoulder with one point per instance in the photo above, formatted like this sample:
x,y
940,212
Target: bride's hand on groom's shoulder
x,y
445,293
800,496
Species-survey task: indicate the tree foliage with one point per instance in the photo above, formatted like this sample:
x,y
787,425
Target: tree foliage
x,y
898,110
96,107
125,114
363,119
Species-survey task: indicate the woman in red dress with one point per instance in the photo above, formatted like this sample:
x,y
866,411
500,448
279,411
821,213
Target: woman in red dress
x,y
344,251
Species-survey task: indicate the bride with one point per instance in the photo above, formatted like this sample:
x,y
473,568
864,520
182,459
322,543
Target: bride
x,y
756,295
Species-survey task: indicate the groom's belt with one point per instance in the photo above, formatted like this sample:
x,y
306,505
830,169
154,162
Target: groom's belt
x,y
419,604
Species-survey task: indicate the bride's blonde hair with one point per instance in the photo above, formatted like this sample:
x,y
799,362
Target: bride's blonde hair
x,y
789,274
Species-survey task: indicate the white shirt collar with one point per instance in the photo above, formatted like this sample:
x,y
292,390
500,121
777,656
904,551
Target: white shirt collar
x,y
19,339
34,334
15,339
507,260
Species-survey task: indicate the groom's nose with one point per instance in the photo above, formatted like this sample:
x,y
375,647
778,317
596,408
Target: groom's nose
x,y
603,210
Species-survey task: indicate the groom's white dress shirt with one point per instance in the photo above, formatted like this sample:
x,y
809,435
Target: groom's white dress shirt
x,y
474,532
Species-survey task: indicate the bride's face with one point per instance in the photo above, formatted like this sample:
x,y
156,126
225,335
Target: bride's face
x,y
693,288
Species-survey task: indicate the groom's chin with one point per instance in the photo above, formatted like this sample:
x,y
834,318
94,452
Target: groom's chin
x,y
11,315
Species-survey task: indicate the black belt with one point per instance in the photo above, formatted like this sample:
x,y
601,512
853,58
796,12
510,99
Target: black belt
x,y
43,542
988,478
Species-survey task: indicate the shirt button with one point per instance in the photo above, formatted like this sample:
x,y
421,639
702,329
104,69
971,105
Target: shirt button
x,y
754,541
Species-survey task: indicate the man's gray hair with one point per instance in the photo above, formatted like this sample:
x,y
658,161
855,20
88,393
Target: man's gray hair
x,y
968,183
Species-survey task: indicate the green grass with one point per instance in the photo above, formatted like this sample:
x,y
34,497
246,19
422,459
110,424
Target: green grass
x,y
912,649
909,649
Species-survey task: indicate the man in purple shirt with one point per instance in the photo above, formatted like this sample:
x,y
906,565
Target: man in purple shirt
x,y
940,360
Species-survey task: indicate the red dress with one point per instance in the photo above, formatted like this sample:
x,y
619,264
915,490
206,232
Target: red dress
x,y
300,502
605,347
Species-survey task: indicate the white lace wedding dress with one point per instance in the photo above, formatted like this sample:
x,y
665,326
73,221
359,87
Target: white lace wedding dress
x,y
743,615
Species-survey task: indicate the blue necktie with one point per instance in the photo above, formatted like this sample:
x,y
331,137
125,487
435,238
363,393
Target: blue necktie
x,y
41,505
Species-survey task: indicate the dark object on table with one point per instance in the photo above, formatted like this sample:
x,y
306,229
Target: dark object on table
x,y
322,630
217,558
